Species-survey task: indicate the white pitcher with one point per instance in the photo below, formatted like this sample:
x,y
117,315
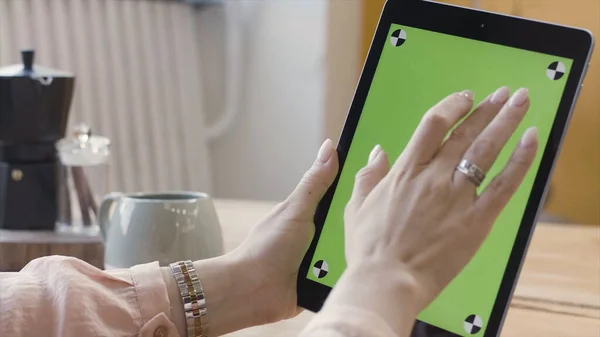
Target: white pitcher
x,y
164,227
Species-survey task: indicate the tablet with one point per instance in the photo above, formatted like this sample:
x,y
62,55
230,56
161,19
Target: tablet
x,y
421,52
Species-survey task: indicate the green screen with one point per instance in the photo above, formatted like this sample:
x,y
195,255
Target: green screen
x,y
412,75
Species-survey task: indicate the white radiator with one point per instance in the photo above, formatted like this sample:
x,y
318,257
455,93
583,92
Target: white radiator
x,y
138,81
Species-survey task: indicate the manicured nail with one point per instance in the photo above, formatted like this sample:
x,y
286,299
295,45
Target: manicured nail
x,y
468,94
529,137
500,96
374,153
519,98
325,151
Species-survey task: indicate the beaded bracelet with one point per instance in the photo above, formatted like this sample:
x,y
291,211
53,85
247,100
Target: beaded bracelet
x,y
192,295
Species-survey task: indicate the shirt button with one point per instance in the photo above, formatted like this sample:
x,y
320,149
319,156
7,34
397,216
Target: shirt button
x,y
161,331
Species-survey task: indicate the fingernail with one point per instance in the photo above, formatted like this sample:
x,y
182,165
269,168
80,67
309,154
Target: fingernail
x,y
500,96
519,98
529,137
374,153
468,94
325,151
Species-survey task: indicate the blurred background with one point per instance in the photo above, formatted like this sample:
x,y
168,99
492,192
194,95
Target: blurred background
x,y
234,97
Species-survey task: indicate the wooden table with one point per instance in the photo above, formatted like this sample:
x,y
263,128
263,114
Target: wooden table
x,y
558,294
17,248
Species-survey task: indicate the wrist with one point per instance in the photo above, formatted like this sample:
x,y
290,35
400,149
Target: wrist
x,y
260,290
382,287
228,297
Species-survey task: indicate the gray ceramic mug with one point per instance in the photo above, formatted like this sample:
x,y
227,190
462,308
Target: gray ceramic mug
x,y
164,227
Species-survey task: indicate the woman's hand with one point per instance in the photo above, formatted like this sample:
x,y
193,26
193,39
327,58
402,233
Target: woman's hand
x,y
420,222
272,252
256,283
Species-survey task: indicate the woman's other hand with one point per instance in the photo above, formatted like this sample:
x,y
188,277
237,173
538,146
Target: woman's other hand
x,y
421,221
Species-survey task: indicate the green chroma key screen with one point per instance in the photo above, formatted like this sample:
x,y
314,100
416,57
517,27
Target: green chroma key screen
x,y
418,68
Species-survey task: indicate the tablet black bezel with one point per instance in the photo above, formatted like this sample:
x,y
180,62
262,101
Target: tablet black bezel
x,y
536,36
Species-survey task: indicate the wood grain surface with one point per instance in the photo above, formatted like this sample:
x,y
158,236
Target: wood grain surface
x,y
17,248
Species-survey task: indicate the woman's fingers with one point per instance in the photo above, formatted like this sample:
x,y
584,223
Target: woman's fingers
x,y
486,147
497,194
465,134
434,127
369,176
304,199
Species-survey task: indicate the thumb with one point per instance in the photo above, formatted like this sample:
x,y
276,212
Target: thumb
x,y
369,176
312,187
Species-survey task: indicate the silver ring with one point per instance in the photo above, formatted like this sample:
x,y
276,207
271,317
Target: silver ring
x,y
472,171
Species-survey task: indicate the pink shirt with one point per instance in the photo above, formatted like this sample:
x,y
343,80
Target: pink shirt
x,y
64,296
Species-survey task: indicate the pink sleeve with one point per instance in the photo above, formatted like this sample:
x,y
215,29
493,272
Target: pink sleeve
x,y
339,321
64,296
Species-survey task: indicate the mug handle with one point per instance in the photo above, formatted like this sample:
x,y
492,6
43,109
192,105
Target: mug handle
x,y
107,202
